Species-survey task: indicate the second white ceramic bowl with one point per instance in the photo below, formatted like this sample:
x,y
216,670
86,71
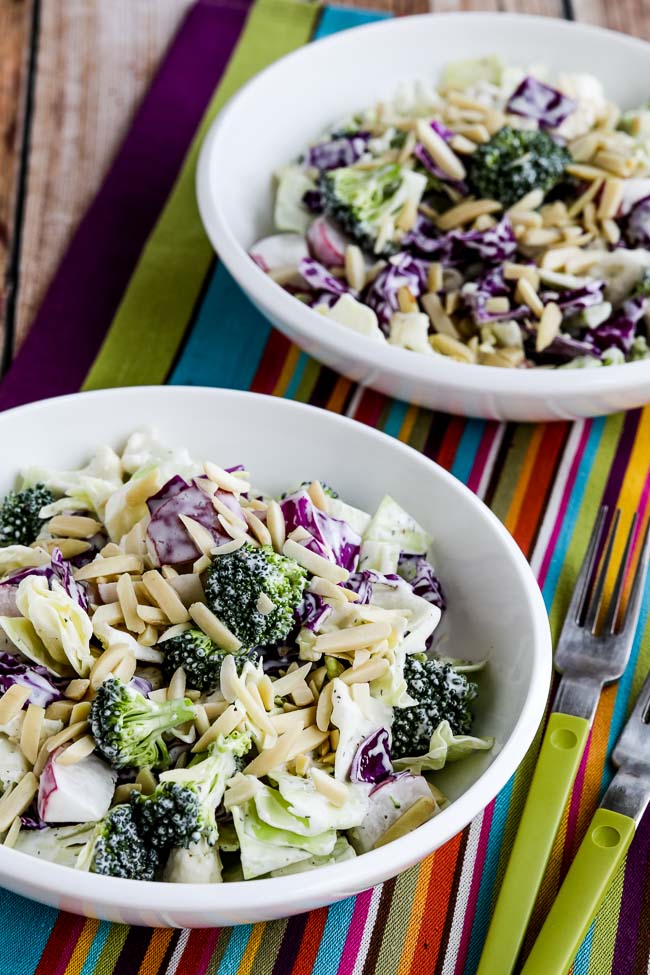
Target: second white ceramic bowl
x,y
495,611
270,121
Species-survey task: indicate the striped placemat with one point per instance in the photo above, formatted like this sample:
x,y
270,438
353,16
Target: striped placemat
x,y
141,298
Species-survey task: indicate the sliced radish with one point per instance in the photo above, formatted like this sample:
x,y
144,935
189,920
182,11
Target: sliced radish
x,y
326,243
279,251
79,793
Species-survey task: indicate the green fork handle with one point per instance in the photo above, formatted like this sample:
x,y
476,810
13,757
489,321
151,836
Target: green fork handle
x,y
592,871
559,758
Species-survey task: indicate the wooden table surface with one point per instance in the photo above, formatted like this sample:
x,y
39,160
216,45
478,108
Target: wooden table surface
x,y
72,73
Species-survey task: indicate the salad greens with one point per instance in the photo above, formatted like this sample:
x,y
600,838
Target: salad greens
x,y
202,683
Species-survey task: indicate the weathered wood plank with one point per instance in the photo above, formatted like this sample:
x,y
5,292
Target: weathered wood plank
x,y
629,16
95,60
543,8
15,32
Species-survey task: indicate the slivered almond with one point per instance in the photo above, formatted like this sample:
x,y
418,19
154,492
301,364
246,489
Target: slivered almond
x,y
59,710
302,717
129,604
475,131
67,734
146,781
266,692
335,791
302,695
611,231
435,279
225,480
153,615
586,172
407,149
14,803
610,199
173,631
80,711
227,547
524,292
352,638
135,541
438,317
110,613
201,565
141,488
589,194
177,684
113,566
439,151
30,733
201,719
407,216
12,701
199,534
324,707
530,201
231,528
300,534
77,688
81,749
549,326
317,495
69,547
323,587
123,792
214,628
165,597
615,162
497,305
360,657
557,258
257,527
467,211
406,300
12,833
420,812
512,272
240,789
541,236
276,525
264,605
303,764
450,346
461,144
355,265
314,563
106,664
73,526
224,724
288,684
271,758
372,670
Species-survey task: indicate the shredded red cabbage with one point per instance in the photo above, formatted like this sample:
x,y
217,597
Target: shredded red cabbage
x,y
44,687
332,539
548,106
312,611
319,278
372,761
419,573
402,270
166,534
342,151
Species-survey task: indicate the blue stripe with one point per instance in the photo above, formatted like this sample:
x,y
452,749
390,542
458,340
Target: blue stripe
x,y
395,417
96,948
296,379
27,927
466,453
334,19
334,934
233,954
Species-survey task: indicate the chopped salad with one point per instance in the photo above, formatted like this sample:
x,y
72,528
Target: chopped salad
x,y
203,683
502,219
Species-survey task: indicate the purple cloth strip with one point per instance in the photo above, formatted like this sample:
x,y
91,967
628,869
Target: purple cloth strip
x,y
81,301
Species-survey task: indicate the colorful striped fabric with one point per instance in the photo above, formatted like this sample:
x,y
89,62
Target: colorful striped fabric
x,y
139,298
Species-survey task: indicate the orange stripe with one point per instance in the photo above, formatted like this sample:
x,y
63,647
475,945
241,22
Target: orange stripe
x,y
160,938
530,460
408,424
417,910
336,402
310,943
432,926
248,958
82,947
287,371
545,469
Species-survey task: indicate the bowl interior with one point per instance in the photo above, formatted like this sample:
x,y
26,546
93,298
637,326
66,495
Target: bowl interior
x,y
495,609
326,81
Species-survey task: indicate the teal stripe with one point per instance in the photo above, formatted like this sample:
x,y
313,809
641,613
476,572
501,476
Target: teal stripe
x,y
96,948
27,927
233,954
467,448
336,931
227,340
296,379
395,418
581,964
334,19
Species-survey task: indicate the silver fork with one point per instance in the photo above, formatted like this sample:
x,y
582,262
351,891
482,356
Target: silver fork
x,y
588,656
606,842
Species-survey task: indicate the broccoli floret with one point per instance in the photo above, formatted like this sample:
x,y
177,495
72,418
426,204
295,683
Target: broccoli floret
x,y
200,658
234,587
442,695
516,161
642,287
129,727
362,200
119,849
181,810
19,515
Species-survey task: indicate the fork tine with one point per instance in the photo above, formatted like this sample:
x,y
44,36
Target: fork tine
x,y
591,618
581,588
609,626
636,595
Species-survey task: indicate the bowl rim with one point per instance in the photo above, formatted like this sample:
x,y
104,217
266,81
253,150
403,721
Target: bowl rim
x,y
335,881
410,366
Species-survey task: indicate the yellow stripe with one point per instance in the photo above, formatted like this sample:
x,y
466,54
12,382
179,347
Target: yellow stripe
x,y
248,958
417,910
160,938
339,395
287,371
82,947
408,423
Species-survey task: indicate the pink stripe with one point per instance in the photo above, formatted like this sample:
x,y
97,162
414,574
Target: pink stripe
x,y
482,456
564,503
355,933
472,900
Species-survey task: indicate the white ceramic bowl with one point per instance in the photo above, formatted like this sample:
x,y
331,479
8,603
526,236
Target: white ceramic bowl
x,y
269,122
495,610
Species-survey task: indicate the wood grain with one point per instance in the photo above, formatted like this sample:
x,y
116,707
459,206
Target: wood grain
x,y
95,60
15,29
629,16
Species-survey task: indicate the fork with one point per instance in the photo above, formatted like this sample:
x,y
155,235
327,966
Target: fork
x,y
588,657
